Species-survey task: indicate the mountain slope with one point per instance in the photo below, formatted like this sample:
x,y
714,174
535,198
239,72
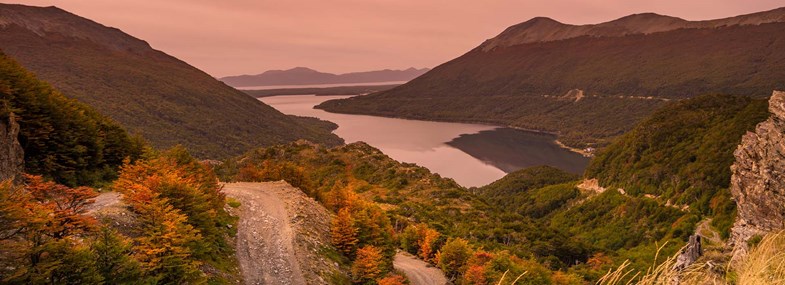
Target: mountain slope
x,y
61,139
543,29
682,154
149,92
589,87
303,76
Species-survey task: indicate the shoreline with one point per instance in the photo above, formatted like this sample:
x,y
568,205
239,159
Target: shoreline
x,y
556,135
556,140
575,150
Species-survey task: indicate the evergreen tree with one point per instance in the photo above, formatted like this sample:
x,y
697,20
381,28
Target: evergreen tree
x,y
114,258
343,233
368,266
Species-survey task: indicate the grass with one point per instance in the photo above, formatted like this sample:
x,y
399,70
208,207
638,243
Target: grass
x,y
232,202
765,264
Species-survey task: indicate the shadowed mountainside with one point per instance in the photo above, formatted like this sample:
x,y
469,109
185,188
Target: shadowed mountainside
x,y
589,86
149,92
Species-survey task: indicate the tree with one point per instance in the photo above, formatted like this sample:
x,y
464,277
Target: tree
x,y
409,238
43,232
114,258
427,242
392,279
162,244
453,257
475,275
68,205
368,266
187,185
343,233
63,140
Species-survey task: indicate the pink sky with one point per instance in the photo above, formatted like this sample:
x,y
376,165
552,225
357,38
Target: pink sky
x,y
250,36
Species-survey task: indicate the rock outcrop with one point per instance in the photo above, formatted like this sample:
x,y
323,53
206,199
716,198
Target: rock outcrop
x,y
758,181
689,254
12,160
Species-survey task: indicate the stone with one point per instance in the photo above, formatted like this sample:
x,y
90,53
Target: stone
x,y
758,179
12,160
689,254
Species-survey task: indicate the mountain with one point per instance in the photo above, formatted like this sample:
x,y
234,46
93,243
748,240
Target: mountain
x,y
594,82
304,76
58,138
147,91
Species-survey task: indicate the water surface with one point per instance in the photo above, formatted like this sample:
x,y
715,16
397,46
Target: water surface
x,y
472,154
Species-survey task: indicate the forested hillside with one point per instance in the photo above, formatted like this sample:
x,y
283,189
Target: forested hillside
x,y
682,154
146,91
589,88
62,139
524,222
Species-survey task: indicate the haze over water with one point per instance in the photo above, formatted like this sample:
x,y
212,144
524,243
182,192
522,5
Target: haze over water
x,y
426,143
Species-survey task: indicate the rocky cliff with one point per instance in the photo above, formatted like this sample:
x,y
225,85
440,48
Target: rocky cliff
x,y
758,181
12,160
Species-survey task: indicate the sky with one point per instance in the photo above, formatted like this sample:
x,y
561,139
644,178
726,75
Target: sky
x,y
231,37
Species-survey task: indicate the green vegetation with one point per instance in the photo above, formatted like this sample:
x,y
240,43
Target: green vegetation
x,y
148,92
63,140
533,192
682,154
507,86
535,219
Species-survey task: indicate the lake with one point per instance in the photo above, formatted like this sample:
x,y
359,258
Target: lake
x,y
472,154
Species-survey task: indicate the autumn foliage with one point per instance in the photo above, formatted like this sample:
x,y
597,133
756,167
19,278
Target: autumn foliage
x,y
42,231
343,233
181,187
393,279
368,266
180,209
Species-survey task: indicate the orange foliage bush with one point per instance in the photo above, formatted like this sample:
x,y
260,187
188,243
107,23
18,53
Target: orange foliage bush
x,y
368,266
393,279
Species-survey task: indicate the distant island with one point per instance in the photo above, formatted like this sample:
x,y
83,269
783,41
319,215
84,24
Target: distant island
x,y
307,76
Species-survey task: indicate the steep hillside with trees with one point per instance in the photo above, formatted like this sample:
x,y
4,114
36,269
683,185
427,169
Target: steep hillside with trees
x,y
146,91
590,86
62,139
682,154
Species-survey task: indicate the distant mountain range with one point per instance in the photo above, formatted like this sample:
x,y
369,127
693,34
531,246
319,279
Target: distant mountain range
x,y
147,91
305,76
590,83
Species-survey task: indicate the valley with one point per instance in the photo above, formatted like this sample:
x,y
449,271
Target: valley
x,y
643,150
473,155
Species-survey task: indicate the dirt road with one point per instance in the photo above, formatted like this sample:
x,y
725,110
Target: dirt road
x,y
104,200
418,272
265,239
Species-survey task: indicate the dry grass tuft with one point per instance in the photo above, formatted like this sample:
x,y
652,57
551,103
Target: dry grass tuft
x,y
766,262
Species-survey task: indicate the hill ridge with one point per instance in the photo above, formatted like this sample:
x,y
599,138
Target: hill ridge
x,y
305,76
149,92
543,29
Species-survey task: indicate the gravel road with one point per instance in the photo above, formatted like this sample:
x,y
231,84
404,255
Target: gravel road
x,y
265,238
419,272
